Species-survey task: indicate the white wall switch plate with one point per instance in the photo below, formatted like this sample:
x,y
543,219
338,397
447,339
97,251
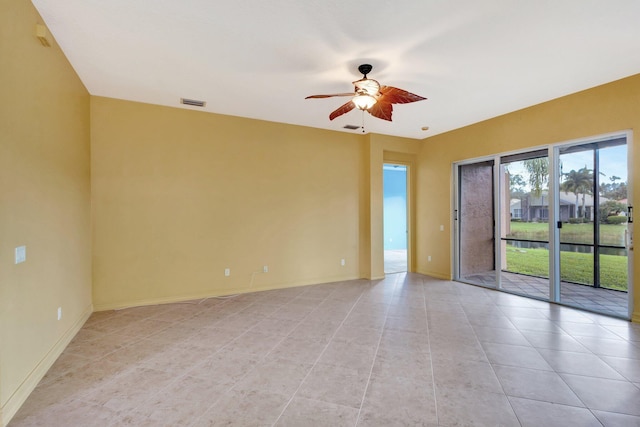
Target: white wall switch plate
x,y
21,254
342,262
59,313
265,269
227,272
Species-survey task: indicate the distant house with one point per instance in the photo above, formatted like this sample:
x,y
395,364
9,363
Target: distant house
x,y
536,208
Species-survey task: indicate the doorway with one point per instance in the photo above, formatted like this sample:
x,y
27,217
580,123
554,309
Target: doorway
x,y
395,217
475,223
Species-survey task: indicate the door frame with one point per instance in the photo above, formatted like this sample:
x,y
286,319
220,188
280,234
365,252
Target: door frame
x,y
455,223
408,160
409,216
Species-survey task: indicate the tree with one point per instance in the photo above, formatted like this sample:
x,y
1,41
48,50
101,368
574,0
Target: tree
x,y
516,185
611,208
538,170
578,182
614,190
517,191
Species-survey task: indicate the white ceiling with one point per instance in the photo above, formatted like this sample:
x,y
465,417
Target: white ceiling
x,y
472,59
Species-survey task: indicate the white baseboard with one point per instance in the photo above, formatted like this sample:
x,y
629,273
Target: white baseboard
x,y
17,399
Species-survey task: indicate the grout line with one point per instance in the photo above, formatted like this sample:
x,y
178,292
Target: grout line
x,y
433,375
373,363
259,360
504,393
321,353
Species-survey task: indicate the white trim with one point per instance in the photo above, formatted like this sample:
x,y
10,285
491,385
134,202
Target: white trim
x,y
630,282
497,222
554,231
455,265
592,139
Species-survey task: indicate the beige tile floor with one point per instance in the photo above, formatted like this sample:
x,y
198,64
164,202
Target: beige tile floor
x,y
407,350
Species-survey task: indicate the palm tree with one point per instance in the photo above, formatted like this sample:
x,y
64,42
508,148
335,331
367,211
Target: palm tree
x,y
578,182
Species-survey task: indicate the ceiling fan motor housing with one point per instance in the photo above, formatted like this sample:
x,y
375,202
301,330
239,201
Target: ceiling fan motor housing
x,y
365,69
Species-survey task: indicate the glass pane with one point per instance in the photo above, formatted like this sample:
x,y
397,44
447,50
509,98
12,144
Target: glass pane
x,y
611,297
613,195
613,269
527,183
576,197
525,225
593,268
576,263
526,270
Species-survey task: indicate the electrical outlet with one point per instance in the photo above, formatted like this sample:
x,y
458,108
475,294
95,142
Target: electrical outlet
x,y
227,272
429,258
59,313
342,262
442,228
265,269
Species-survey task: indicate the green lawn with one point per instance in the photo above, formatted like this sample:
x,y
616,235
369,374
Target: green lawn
x,y
574,267
610,234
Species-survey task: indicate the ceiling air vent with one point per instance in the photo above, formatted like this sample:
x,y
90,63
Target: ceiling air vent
x,y
351,127
192,102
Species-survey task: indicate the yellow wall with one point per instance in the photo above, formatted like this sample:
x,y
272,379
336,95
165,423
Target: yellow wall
x,y
604,109
44,189
179,195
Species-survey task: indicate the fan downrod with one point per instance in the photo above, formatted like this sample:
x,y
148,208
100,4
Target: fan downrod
x,y
365,69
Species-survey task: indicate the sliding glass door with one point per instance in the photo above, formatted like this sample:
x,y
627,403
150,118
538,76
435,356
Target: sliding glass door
x,y
524,234
561,223
593,203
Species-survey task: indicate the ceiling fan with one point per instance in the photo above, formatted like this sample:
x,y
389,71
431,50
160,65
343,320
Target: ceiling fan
x,y
370,96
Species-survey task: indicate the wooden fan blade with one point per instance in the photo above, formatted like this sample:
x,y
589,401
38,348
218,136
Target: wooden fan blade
x,y
381,110
394,95
329,96
342,110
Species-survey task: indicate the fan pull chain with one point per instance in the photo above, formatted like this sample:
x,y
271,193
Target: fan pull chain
x,y
363,121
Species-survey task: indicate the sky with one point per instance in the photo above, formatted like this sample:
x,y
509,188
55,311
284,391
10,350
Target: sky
x,y
613,162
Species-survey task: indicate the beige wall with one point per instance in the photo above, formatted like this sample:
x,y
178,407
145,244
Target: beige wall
x,y
604,109
179,195
44,189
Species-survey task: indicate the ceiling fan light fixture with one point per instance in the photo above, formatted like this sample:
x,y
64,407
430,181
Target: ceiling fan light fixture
x,y
364,101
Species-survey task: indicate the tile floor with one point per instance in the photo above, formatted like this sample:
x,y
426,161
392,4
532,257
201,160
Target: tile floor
x,y
395,261
600,300
407,350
